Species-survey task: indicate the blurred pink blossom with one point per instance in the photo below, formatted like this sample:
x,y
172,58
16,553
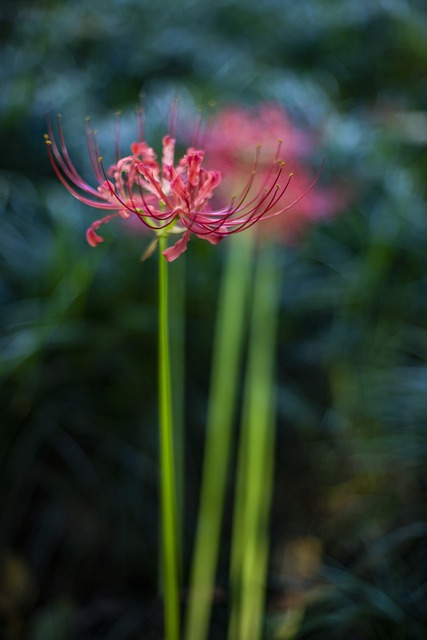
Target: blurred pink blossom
x,y
230,139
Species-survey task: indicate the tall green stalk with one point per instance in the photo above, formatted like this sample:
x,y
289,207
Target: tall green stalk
x,y
250,542
170,549
177,343
222,400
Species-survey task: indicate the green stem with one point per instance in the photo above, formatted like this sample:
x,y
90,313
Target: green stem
x,y
249,550
177,341
168,499
222,400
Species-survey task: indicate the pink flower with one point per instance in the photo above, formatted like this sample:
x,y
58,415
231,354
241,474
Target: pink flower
x,y
231,135
169,197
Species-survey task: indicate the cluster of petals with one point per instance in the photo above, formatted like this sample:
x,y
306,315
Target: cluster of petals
x,y
169,197
234,130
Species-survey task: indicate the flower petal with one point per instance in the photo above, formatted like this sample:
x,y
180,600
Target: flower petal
x,y
178,248
93,238
168,151
194,160
213,238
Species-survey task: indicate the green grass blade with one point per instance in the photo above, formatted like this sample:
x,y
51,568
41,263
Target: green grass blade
x,y
255,459
222,400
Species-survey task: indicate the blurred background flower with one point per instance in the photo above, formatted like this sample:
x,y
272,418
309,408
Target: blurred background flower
x,y
241,140
78,454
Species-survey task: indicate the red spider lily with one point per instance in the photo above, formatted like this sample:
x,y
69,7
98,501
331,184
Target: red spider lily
x,y
231,132
168,198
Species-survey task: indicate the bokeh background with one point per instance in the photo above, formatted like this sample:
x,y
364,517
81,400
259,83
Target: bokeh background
x,y
78,434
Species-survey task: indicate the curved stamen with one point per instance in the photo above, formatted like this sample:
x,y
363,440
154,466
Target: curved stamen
x,y
301,196
117,135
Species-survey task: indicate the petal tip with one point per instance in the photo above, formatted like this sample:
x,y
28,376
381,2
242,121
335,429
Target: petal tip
x,y
93,238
